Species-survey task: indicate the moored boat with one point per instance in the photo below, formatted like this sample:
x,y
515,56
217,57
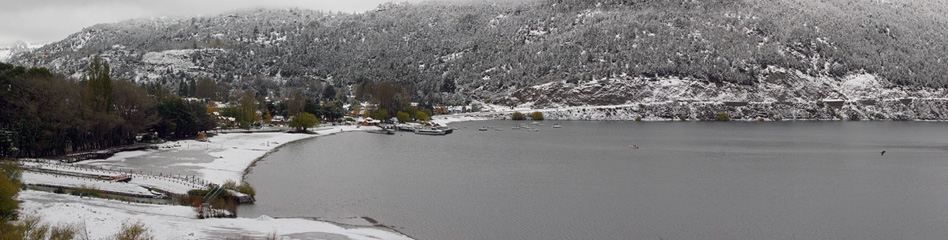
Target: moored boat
x,y
445,129
429,131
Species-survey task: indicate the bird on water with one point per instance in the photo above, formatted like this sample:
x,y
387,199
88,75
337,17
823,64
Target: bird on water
x,y
882,153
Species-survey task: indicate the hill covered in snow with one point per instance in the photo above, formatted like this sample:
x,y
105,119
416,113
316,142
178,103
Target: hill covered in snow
x,y
543,53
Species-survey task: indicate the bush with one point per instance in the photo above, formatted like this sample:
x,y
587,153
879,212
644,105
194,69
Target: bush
x,y
723,117
9,187
84,191
422,116
31,227
381,114
230,184
536,116
134,231
518,116
683,117
638,118
245,188
66,232
403,116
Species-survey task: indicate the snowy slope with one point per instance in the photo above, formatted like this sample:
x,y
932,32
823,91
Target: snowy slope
x,y
8,52
782,95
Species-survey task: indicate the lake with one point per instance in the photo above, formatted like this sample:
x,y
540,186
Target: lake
x,y
687,180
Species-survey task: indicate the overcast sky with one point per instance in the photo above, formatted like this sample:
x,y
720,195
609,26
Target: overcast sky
x,y
43,21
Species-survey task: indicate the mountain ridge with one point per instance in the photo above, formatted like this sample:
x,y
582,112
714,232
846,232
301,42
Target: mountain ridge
x,y
497,52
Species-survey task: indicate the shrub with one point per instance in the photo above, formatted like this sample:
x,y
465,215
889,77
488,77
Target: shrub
x,y
31,227
9,187
638,118
518,116
422,116
403,116
536,116
683,117
381,114
34,229
134,231
230,184
245,188
63,232
723,117
85,191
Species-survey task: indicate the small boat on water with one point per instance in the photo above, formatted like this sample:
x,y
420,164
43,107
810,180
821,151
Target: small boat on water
x,y
408,127
533,130
430,131
482,129
445,129
382,131
515,128
557,125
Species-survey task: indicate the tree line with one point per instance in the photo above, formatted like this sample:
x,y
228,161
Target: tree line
x,y
46,114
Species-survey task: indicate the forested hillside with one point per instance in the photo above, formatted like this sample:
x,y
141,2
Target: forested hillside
x,y
452,53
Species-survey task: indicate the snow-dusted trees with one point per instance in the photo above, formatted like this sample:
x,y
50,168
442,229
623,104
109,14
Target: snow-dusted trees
x,y
459,51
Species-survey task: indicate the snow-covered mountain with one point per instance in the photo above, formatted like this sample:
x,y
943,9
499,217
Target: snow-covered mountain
x,y
548,53
8,52
856,97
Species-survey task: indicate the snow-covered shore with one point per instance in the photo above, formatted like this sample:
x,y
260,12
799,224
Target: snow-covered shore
x,y
101,218
224,158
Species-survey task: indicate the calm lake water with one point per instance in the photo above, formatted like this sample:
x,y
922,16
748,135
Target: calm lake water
x,y
687,180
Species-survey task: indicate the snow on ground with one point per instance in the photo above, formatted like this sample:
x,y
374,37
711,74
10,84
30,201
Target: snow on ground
x,y
223,158
103,218
77,182
179,59
176,166
42,173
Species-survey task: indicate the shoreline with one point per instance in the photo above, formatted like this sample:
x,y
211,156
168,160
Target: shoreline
x,y
328,132
228,157
102,217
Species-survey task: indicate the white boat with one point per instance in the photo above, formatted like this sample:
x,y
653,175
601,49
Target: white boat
x,y
482,129
429,131
557,125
